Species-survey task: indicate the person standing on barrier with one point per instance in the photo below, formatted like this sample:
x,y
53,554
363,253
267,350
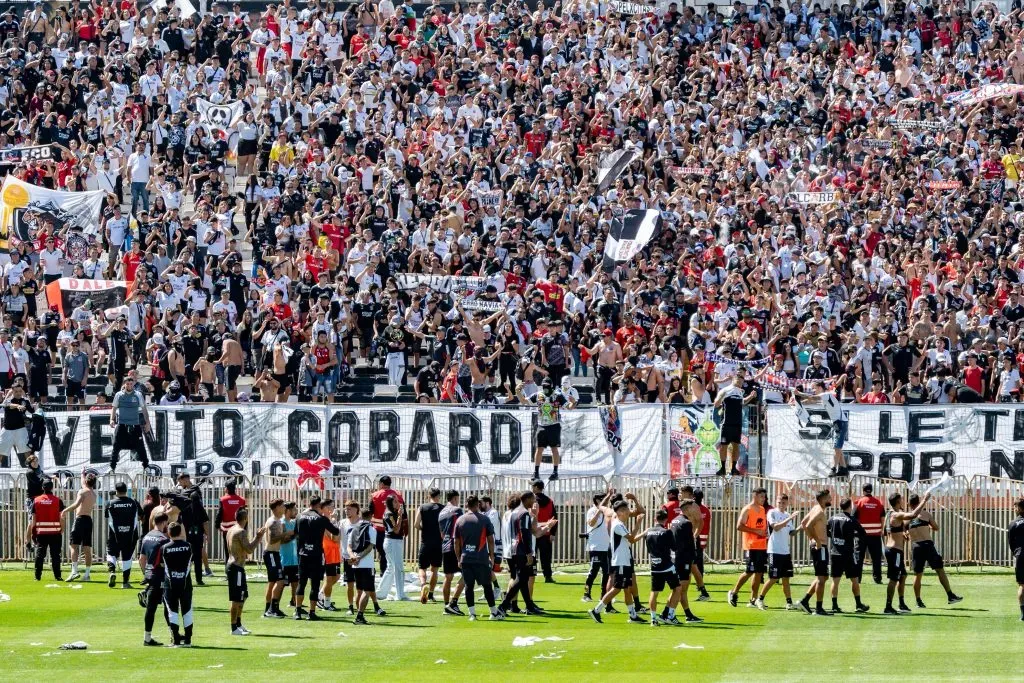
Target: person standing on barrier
x,y
780,557
846,539
310,535
598,543
276,536
14,435
753,524
545,513
151,560
731,400
129,419
923,552
176,557
870,511
446,520
123,514
474,546
378,507
549,402
840,422
81,530
45,527
239,548
896,524
396,527
813,525
429,555
1015,536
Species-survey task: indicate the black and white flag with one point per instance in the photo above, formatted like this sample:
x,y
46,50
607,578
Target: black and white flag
x,y
220,116
612,166
629,235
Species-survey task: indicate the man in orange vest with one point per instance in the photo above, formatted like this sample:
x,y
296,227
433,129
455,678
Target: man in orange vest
x,y
753,524
870,511
45,526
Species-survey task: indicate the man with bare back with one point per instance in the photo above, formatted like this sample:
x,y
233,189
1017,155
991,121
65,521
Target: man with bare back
x,y
81,530
609,355
239,549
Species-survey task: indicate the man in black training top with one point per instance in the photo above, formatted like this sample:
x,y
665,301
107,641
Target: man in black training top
x,y
429,556
1015,535
310,534
446,520
474,546
684,539
522,530
177,588
660,544
122,515
153,570
847,541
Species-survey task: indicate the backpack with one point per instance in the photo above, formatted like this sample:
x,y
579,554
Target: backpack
x,y
360,537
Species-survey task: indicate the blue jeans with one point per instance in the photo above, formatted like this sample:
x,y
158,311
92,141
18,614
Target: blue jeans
x,y
578,366
140,193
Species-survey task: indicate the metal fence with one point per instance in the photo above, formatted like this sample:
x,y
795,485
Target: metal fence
x,y
972,514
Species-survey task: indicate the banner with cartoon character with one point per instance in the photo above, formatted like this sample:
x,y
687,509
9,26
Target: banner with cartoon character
x,y
694,435
26,209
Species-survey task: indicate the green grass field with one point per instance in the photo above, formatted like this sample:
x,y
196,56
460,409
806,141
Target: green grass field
x,y
980,638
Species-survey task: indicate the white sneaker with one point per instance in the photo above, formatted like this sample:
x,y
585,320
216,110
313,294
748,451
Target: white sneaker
x,y
759,603
75,576
472,617
789,606
239,632
247,631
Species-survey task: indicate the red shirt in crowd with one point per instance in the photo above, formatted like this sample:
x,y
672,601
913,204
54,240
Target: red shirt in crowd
x,y
553,293
131,263
378,505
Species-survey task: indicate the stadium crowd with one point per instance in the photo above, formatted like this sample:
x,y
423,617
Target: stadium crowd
x,y
802,232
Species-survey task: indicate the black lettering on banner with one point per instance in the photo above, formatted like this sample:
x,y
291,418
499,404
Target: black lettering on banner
x,y
917,426
424,437
232,417
930,469
991,418
61,446
296,420
338,449
385,427
905,464
204,468
279,468
177,468
100,439
501,421
155,470
339,470
818,426
885,428
1000,466
188,436
860,461
458,439
232,467
1018,425
256,467
156,437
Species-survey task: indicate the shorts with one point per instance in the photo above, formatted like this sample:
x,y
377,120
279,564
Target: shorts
x,y
757,561
272,561
660,579
81,532
233,372
332,569
365,579
623,577
1018,568
238,589
819,559
549,436
523,570
477,574
13,438
350,573
284,381
74,390
780,566
840,429
429,556
732,433
450,562
895,568
290,573
683,569
925,553
845,565
121,546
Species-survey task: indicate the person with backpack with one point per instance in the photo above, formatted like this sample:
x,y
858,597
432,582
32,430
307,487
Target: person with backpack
x,y
361,546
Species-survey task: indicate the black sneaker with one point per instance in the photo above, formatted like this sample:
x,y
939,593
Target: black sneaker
x,y
313,616
301,611
642,610
637,619
351,610
904,609
863,608
360,620
732,599
890,610
806,606
381,613
126,585
837,610
693,619
920,604
954,598
514,609
735,472
610,609
535,611
291,603
820,612
297,616
431,598
596,616
586,597
278,613
331,608
452,610
720,472
111,581
843,473
152,643
553,477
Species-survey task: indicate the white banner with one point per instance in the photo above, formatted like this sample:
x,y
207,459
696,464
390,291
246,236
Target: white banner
x,y
915,124
424,440
448,283
894,442
16,155
632,7
969,98
24,208
220,117
813,197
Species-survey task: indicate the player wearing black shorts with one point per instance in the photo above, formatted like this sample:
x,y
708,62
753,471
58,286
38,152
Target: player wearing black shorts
x,y
276,535
239,547
429,555
847,541
362,542
153,570
474,546
522,530
685,545
1015,536
177,584
549,402
780,559
309,533
122,515
896,522
814,525
924,553
446,520
660,544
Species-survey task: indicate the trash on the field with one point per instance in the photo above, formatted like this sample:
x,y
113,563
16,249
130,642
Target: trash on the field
x,y
100,652
441,661
215,666
75,586
47,654
281,654
550,656
527,641
342,634
36,644
4,597
258,575
53,585
77,645
684,646
597,662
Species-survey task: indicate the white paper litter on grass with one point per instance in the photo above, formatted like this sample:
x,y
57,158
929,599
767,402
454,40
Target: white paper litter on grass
x,y
75,586
215,666
684,646
441,661
53,585
36,644
47,654
527,641
77,645
100,652
258,575
4,597
281,654
551,656
342,634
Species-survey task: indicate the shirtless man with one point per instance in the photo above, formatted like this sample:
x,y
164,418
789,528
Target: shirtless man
x,y
923,552
176,367
239,549
276,535
895,538
692,513
609,355
166,507
81,531
814,523
267,386
284,388
233,359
